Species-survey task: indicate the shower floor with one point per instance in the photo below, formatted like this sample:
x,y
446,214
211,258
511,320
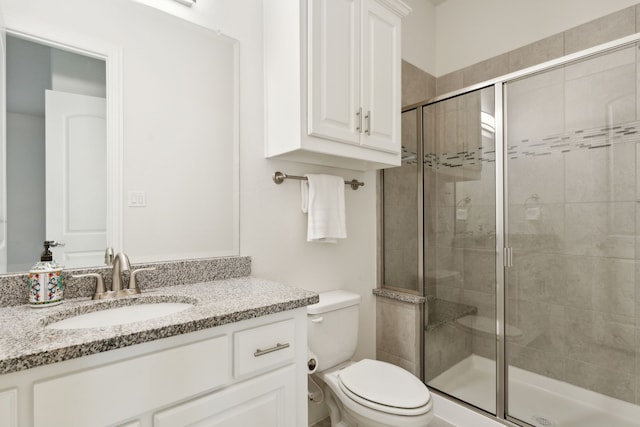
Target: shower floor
x,y
535,399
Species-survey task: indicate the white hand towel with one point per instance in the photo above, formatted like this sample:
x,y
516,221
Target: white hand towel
x,y
323,201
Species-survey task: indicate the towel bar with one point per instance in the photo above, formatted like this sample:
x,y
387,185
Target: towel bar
x,y
279,177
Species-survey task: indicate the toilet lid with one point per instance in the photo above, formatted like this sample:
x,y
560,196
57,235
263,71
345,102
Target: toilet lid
x,y
384,384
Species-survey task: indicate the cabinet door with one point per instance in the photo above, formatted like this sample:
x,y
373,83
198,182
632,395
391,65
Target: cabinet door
x,y
136,385
381,78
267,401
9,408
334,69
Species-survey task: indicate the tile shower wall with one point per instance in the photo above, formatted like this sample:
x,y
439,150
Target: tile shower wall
x,y
572,139
400,190
399,316
572,212
573,215
400,208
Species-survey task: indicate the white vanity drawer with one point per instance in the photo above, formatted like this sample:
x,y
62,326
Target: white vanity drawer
x,y
264,347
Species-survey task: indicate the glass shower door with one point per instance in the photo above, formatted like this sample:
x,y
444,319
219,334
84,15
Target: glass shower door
x,y
459,247
571,294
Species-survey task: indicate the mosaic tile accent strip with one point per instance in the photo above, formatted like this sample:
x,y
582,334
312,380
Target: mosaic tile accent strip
x,y
409,157
582,139
459,159
171,273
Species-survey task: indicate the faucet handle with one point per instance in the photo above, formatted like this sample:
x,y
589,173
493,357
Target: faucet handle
x,y
101,291
133,280
108,256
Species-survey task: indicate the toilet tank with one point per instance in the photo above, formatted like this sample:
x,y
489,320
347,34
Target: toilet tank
x,y
333,327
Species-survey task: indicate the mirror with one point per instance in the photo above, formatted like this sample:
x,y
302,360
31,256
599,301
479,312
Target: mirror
x,y
55,111
167,168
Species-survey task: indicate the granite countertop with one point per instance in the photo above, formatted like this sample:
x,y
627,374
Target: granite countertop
x,y
25,343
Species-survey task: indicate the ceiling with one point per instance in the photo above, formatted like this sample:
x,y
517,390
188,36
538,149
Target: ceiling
x,y
437,2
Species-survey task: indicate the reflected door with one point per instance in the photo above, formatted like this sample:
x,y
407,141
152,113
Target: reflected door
x,y
76,187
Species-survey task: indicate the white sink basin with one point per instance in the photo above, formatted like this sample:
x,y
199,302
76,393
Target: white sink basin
x,y
120,315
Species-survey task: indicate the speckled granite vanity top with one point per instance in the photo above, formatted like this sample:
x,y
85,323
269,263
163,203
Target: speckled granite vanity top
x,y
25,343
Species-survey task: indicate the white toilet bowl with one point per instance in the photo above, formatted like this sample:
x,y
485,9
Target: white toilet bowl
x,y
371,393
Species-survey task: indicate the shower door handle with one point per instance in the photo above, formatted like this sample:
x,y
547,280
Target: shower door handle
x,y
508,257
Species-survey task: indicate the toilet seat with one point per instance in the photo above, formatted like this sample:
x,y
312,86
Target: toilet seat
x,y
384,387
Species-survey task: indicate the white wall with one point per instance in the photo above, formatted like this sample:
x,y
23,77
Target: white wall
x,y
472,31
419,35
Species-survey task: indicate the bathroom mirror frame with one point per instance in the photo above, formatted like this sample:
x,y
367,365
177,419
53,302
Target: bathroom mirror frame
x,y
112,56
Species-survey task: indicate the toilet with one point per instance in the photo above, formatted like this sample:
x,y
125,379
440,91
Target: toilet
x,y
368,393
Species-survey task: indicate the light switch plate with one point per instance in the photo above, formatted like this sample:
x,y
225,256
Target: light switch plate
x,y
137,199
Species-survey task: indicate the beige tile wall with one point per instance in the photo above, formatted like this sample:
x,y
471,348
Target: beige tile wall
x,y
398,326
417,85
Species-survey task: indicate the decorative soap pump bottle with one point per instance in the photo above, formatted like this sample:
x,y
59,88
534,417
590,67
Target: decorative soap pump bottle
x,y
45,279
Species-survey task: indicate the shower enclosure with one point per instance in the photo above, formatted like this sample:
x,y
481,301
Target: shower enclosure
x,y
516,212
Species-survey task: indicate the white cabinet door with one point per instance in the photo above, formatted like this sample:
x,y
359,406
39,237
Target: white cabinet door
x,y
9,408
381,78
354,73
137,385
334,69
267,401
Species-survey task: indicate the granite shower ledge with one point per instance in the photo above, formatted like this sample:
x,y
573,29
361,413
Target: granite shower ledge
x,y
442,312
25,343
399,296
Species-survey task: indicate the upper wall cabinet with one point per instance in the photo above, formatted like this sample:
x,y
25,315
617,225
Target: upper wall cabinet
x,y
333,82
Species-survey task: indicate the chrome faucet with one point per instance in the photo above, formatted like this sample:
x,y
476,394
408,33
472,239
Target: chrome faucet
x,y
120,265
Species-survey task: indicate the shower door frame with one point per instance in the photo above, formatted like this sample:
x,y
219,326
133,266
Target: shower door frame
x,y
504,255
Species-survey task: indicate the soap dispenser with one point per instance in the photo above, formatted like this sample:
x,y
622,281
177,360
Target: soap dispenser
x,y
45,279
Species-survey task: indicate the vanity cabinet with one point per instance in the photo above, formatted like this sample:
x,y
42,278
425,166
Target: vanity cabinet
x,y
251,372
332,81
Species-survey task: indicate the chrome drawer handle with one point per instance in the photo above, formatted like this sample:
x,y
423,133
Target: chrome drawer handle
x,y
367,118
262,352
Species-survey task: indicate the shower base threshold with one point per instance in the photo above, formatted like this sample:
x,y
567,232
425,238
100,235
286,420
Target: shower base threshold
x,y
535,399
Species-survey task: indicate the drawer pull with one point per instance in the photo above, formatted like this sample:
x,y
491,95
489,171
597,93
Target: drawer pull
x,y
261,352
